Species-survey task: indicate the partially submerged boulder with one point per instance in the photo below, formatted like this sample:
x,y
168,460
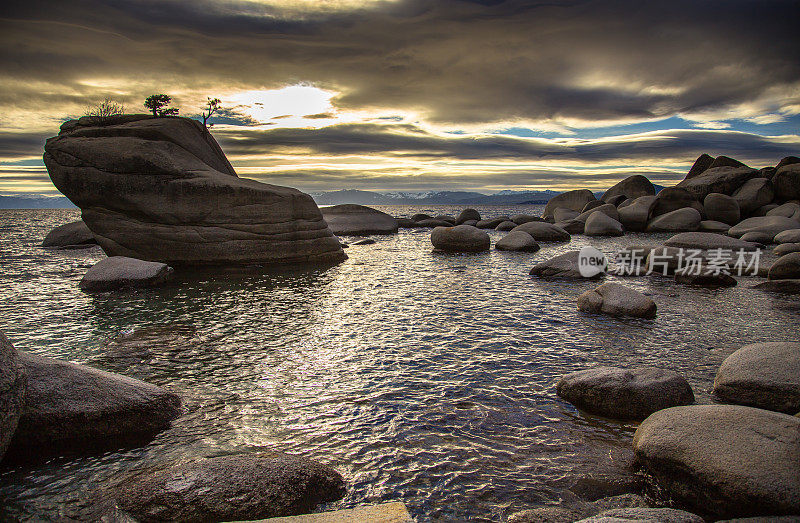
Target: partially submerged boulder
x,y
505,226
767,224
121,272
461,238
631,187
620,393
786,268
74,407
723,459
161,189
562,266
517,241
468,215
12,391
763,375
600,224
575,200
73,235
235,487
544,232
686,219
708,240
358,220
615,299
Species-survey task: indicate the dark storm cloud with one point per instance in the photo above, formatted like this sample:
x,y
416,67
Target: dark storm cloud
x,y
453,61
673,146
14,146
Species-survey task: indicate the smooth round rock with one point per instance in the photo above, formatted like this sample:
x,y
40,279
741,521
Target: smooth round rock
x,y
468,215
722,208
406,223
631,187
644,515
771,225
575,200
517,241
561,214
70,236
786,248
616,299
755,193
600,224
358,220
624,393
421,216
544,232
607,209
757,237
461,238
12,391
781,286
786,268
788,209
764,375
726,460
787,182
686,219
238,487
634,216
572,226
788,236
121,272
505,226
591,205
519,219
433,222
707,241
715,227
721,179
561,266
492,223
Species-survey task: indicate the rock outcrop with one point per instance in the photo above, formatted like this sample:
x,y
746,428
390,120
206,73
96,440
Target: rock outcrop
x,y
120,272
236,487
619,393
12,391
358,220
70,406
468,215
723,179
73,235
726,460
161,189
700,165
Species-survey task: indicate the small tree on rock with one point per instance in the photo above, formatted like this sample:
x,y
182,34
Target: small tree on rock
x,y
105,110
158,104
212,106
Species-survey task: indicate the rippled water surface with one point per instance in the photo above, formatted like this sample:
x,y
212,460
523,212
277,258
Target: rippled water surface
x,y
422,377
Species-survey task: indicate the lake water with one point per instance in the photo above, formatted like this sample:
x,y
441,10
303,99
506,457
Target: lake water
x,y
422,377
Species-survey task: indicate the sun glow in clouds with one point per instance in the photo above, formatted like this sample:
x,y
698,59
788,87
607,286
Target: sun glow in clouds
x,y
289,103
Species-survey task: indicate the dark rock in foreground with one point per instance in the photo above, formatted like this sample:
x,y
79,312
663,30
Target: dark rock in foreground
x,y
786,268
120,272
161,189
73,235
74,407
781,286
625,393
726,460
12,391
227,488
763,375
358,220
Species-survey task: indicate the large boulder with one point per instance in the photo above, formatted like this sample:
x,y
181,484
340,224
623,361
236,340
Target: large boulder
x,y
575,200
786,268
161,189
725,161
519,219
631,187
234,487
788,160
702,163
619,393
615,299
634,216
708,240
505,226
492,223
788,236
467,215
722,208
600,224
671,199
562,266
787,182
70,406
461,238
786,248
12,392
771,225
358,220
686,219
726,460
572,226
643,515
723,179
561,214
544,232
120,272
755,193
607,209
73,235
788,209
763,375
517,241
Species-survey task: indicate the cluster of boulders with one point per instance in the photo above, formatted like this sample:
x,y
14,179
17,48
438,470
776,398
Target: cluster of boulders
x,y
738,458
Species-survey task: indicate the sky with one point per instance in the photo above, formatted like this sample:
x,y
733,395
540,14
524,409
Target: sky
x,y
413,95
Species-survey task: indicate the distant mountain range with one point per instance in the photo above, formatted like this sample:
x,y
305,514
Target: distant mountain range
x,y
432,197
35,202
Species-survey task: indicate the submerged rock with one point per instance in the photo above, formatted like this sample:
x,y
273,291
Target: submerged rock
x,y
70,236
358,220
726,460
461,238
764,375
433,222
70,406
517,241
120,272
227,488
12,391
176,199
468,215
625,393
544,232
615,299
562,266
600,224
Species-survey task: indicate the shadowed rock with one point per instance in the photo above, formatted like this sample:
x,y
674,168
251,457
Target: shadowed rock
x,y
671,199
786,248
788,236
505,226
74,235
461,238
575,200
714,227
70,406
519,219
358,220
719,179
433,222
615,299
572,226
634,216
619,393
631,187
120,272
771,225
781,286
788,209
686,219
226,488
722,208
600,224
517,241
544,232
786,268
787,182
702,163
160,189
607,209
644,515
12,391
755,193
726,460
562,266
703,277
468,215
708,240
493,223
